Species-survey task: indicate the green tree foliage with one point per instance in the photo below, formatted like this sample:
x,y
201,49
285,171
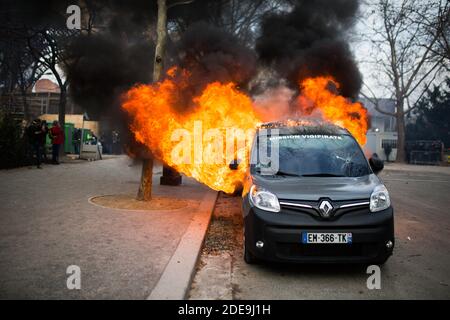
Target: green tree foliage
x,y
432,116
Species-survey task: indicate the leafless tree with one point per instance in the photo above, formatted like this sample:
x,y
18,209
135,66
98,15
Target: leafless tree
x,y
19,70
28,75
53,57
438,24
239,17
403,60
145,188
40,44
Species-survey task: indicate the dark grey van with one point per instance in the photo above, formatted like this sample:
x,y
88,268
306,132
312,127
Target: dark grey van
x,y
324,202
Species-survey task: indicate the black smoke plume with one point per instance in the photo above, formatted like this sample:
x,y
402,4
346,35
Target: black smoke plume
x,y
310,41
106,67
113,58
116,55
210,54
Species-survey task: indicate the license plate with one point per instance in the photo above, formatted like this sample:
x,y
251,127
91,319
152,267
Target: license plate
x,y
315,237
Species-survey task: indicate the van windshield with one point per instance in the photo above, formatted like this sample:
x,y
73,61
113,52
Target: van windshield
x,y
316,155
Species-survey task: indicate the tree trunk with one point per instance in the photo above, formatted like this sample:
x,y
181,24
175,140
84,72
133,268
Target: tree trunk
x,y
145,188
62,115
62,103
62,106
400,134
26,109
161,30
170,176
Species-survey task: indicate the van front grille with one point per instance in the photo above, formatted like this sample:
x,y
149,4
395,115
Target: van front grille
x,y
312,207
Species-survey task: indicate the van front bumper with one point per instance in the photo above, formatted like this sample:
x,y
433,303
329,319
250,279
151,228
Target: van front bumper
x,y
281,235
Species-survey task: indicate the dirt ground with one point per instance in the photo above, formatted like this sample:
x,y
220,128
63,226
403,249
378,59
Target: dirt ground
x,y
224,232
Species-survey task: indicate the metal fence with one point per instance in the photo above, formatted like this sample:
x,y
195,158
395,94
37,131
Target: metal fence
x,y
425,157
424,152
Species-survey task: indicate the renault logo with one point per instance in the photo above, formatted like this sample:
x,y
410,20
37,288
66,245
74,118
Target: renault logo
x,y
325,208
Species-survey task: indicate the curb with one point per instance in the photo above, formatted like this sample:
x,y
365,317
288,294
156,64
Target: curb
x,y
176,278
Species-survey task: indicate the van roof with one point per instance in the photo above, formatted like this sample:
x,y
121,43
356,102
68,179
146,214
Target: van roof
x,y
304,126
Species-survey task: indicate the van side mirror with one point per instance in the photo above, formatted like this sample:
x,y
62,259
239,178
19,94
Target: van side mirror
x,y
376,163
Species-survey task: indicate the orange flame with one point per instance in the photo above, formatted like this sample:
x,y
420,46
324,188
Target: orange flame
x,y
334,108
197,143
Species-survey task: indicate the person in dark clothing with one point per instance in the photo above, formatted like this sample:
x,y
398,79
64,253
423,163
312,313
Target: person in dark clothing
x,y
57,136
93,140
115,142
107,143
387,151
76,138
43,140
34,133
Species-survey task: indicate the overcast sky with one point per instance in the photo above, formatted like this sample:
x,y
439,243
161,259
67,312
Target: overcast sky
x,y
361,48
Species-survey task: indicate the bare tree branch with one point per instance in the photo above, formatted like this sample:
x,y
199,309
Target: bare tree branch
x,y
406,36
179,3
374,101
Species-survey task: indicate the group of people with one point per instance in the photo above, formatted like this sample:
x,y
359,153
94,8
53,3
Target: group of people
x,y
37,135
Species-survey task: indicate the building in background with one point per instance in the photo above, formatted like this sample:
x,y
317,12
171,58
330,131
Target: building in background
x,y
42,101
43,98
382,133
46,86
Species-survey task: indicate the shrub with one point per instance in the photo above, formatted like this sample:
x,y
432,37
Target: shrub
x,y
13,149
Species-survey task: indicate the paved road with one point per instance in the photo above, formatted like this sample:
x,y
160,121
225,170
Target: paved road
x,y
419,268
47,224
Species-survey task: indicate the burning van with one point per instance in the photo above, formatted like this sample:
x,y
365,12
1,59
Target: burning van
x,y
311,196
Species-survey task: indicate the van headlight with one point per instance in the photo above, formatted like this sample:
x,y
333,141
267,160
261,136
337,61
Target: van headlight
x,y
379,199
263,199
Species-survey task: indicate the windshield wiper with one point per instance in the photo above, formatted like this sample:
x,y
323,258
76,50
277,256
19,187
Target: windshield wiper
x,y
322,175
